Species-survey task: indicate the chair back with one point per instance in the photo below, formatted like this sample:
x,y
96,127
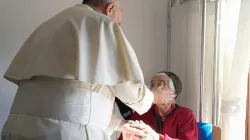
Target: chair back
x,y
205,131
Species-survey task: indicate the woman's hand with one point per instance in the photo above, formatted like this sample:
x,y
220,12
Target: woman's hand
x,y
162,95
126,136
157,87
130,133
150,133
158,91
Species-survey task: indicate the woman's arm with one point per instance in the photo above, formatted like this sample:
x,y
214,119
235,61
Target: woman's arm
x,y
187,130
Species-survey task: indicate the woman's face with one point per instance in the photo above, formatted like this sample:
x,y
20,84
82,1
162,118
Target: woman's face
x,y
160,88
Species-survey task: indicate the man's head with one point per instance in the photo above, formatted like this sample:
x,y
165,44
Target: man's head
x,y
110,8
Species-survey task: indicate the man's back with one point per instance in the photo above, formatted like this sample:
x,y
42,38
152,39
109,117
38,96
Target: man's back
x,y
75,44
74,18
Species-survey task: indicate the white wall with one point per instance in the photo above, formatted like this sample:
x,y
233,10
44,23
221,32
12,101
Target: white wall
x,y
145,24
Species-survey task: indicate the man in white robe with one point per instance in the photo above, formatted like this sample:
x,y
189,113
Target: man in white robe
x,y
69,72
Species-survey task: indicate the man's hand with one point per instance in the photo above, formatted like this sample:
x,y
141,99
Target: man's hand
x,y
150,133
130,133
130,137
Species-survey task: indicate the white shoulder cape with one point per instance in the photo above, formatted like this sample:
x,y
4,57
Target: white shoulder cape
x,y
78,44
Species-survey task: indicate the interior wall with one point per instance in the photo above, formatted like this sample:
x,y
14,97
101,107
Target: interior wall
x,y
145,25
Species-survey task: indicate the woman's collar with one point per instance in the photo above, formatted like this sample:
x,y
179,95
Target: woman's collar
x,y
167,112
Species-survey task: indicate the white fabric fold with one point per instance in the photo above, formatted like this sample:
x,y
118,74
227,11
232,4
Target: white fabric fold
x,y
78,44
135,95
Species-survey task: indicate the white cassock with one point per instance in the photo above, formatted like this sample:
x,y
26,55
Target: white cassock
x,y
69,72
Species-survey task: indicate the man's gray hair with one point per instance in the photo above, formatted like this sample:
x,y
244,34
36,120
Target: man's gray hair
x,y
97,3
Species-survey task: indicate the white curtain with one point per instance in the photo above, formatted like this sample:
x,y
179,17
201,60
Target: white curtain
x,y
185,56
233,61
234,54
185,50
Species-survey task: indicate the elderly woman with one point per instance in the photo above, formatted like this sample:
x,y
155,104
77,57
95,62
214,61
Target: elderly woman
x,y
165,120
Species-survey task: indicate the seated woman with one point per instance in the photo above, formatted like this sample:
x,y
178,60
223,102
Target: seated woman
x,y
165,120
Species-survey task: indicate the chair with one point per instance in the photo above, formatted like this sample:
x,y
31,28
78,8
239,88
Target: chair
x,y
208,132
205,131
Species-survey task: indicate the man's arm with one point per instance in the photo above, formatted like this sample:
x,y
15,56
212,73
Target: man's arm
x,y
135,95
117,124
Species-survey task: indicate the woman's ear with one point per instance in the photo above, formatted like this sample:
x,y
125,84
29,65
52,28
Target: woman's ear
x,y
175,95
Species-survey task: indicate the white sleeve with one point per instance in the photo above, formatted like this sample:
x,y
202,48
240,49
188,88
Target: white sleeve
x,y
135,95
